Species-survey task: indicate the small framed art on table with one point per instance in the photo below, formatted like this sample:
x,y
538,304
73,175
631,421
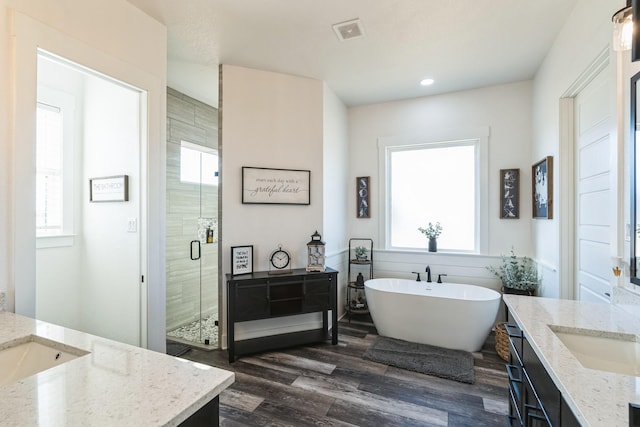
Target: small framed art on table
x,y
241,260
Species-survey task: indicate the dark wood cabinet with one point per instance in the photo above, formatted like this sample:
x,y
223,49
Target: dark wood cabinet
x,y
261,295
534,399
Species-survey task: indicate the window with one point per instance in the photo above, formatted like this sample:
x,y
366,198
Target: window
x,y
55,110
442,181
49,173
198,164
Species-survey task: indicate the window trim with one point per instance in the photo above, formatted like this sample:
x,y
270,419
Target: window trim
x,y
440,137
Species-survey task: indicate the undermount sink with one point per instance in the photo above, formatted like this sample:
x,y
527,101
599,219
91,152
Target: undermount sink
x,y
32,354
602,350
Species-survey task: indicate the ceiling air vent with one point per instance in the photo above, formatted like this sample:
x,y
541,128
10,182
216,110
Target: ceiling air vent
x,y
348,30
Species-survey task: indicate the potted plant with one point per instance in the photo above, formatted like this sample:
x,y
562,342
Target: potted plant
x,y
361,253
519,275
432,232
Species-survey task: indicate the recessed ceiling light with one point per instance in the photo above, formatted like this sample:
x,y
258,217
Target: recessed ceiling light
x,y
426,82
348,30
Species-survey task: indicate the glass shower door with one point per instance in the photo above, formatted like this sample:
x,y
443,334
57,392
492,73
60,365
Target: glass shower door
x,y
192,249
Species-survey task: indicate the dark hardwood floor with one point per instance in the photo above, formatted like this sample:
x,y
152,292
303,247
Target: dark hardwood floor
x,y
325,385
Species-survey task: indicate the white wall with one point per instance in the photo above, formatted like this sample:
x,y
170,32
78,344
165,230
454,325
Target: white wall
x,y
505,109
111,255
587,32
336,196
134,51
275,121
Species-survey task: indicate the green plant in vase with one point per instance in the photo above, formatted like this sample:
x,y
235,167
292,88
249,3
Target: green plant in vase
x,y
432,232
361,253
519,275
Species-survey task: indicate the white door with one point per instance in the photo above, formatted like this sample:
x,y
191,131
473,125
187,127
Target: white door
x,y
595,186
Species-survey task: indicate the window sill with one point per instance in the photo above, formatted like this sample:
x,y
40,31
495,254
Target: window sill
x,y
57,241
426,252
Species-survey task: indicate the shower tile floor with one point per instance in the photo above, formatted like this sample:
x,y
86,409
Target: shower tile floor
x,y
191,334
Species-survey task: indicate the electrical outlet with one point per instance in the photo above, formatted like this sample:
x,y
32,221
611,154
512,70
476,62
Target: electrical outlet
x,y
132,225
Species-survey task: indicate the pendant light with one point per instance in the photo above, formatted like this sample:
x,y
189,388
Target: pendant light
x,y
623,28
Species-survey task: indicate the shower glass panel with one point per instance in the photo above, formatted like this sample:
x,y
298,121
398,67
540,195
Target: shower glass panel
x,y
192,224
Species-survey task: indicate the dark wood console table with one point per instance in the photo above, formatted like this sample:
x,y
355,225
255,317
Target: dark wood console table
x,y
261,295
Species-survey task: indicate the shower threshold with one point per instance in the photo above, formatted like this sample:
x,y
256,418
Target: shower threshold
x,y
192,334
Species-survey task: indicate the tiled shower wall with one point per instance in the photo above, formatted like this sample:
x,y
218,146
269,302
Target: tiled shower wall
x,y
189,282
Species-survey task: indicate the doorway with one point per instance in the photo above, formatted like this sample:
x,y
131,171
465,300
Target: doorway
x,y
88,249
192,222
588,180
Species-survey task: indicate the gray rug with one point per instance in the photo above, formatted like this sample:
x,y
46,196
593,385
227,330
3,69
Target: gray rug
x,y
441,362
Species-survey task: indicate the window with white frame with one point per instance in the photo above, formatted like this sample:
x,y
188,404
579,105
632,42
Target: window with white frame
x,y
434,182
198,164
55,118
49,170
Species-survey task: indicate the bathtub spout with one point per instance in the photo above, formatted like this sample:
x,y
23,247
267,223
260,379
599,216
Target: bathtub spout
x,y
417,278
428,270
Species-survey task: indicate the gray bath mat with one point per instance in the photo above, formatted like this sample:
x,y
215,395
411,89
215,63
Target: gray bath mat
x,y
177,349
441,362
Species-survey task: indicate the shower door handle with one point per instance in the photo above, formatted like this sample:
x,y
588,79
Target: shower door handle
x,y
195,254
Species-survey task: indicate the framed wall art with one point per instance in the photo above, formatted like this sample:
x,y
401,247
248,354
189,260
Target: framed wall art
x,y
241,259
275,186
109,189
542,188
509,193
362,197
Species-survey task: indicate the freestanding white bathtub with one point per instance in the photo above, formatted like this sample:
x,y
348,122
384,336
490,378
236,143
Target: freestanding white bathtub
x,y
450,315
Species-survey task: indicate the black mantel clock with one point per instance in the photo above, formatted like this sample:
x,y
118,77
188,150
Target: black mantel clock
x,y
280,261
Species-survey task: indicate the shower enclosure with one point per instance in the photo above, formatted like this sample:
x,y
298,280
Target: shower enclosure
x,y
192,222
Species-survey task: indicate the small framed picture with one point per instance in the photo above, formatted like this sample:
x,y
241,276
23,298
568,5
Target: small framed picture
x,y
362,197
509,193
542,188
109,189
241,260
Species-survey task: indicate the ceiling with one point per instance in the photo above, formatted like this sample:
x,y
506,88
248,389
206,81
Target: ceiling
x,y
461,44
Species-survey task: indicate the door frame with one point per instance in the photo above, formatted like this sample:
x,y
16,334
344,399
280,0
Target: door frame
x,y
28,35
567,169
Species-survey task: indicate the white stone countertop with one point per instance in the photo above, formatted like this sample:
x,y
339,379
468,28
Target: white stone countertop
x,y
597,398
115,384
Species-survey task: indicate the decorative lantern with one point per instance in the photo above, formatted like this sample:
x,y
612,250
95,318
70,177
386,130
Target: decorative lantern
x,y
315,253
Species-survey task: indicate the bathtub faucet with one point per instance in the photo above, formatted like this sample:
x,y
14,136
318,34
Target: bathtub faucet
x,y
428,270
417,278
440,277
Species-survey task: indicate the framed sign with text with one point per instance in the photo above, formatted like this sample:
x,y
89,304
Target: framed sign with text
x,y
241,259
362,197
275,186
509,193
109,189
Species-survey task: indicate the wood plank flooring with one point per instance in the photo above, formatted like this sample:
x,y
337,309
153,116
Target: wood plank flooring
x,y
325,385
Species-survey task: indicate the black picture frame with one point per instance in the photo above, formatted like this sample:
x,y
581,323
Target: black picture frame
x,y
363,204
241,260
509,193
542,188
276,186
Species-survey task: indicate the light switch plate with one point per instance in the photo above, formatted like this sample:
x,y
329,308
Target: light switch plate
x,y
132,225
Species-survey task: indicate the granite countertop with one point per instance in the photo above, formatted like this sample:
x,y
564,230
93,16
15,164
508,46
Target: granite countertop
x,y
597,398
115,384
